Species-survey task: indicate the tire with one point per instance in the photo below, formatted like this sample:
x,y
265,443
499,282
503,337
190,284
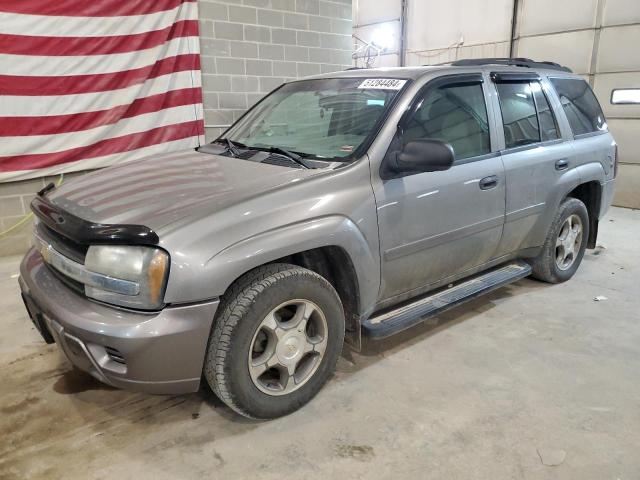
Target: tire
x,y
548,267
244,326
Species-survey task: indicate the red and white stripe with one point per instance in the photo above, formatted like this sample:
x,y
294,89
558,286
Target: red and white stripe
x,y
85,84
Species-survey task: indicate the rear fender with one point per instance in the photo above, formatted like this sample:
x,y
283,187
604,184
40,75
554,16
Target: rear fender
x,y
593,177
567,182
571,179
590,172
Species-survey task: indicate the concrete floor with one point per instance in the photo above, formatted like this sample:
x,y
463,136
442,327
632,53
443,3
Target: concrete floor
x,y
531,375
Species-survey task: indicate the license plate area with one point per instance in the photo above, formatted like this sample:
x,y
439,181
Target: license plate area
x,y
37,318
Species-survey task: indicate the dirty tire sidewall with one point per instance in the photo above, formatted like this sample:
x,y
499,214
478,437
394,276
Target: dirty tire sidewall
x,y
242,310
544,266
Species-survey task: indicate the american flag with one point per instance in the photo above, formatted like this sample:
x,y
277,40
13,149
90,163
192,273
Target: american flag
x,y
86,83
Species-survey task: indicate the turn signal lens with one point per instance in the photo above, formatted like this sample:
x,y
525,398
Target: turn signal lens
x,y
156,275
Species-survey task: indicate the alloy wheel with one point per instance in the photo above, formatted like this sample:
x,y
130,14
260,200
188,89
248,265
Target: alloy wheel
x,y
288,347
569,242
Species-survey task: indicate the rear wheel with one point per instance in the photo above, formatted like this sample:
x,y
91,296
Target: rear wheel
x,y
565,244
275,342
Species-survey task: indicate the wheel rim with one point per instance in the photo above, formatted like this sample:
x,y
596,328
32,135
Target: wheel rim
x,y
288,347
569,242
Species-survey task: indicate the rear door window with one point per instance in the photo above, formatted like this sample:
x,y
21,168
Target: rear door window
x,y
548,124
518,114
527,116
580,105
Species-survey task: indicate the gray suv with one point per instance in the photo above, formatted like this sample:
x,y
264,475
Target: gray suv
x,y
344,205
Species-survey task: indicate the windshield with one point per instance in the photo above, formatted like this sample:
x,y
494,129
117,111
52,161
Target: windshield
x,y
327,118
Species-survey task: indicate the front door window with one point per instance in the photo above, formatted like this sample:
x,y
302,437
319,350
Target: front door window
x,y
455,114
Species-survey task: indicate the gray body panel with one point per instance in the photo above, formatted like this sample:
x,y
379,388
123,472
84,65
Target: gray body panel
x,y
421,241
219,217
535,188
164,350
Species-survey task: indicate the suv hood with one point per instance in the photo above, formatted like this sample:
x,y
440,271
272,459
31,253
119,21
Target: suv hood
x,y
161,190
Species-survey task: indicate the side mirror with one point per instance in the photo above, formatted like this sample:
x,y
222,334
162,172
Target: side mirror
x,y
424,155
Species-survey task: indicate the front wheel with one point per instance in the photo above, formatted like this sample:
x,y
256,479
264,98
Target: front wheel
x,y
275,342
565,244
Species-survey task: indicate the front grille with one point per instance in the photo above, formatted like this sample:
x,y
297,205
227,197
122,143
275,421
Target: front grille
x,y
66,247
62,244
69,282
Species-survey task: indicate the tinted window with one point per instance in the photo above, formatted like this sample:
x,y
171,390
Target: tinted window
x,y
518,114
580,105
456,115
548,125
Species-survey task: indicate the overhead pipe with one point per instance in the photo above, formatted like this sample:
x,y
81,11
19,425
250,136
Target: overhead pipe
x,y
403,32
514,26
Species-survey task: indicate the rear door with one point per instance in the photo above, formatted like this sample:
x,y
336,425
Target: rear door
x,y
437,224
587,123
536,156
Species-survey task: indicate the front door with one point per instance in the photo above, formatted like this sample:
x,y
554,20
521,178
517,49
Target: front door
x,y
437,224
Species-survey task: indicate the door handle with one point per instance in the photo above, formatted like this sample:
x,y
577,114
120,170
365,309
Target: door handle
x,y
562,164
489,182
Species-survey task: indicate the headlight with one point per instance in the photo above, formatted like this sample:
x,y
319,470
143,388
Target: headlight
x,y
145,266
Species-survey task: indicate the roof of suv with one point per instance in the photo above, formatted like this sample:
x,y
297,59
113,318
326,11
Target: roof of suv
x,y
461,66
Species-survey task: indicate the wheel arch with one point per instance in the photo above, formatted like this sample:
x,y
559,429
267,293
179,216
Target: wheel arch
x,y
331,246
336,266
589,193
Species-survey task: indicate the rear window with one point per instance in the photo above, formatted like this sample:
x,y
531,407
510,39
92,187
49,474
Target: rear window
x,y
580,105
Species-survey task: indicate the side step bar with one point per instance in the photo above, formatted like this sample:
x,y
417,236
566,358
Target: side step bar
x,y
406,316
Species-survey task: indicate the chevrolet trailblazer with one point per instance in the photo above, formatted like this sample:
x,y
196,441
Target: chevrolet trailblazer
x,y
343,205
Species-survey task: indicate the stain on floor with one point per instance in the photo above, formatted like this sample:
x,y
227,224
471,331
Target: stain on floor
x,y
360,452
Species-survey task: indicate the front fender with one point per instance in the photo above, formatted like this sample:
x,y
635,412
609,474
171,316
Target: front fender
x,y
226,266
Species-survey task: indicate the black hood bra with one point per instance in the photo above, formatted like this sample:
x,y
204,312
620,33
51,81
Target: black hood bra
x,y
85,232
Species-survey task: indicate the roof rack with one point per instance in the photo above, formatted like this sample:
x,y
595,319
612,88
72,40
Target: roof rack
x,y
516,62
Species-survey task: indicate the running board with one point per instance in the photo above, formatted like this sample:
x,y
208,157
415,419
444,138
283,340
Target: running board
x,y
402,318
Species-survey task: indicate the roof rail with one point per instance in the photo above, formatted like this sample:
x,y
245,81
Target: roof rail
x,y
516,62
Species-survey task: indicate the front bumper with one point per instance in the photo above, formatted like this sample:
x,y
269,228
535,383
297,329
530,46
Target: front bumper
x,y
160,352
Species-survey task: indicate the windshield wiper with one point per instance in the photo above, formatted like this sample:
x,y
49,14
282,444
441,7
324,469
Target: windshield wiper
x,y
232,146
293,156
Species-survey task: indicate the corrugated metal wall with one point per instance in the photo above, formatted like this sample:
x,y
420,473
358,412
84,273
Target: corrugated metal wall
x,y
444,31
370,16
596,38
599,39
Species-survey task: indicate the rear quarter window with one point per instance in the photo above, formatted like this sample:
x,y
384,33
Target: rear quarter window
x,y
580,105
